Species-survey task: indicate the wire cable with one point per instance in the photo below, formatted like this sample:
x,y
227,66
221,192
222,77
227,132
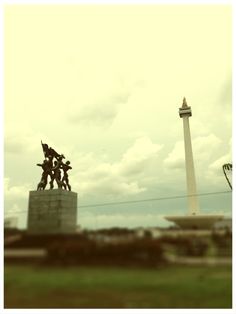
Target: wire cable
x,y
152,199
142,200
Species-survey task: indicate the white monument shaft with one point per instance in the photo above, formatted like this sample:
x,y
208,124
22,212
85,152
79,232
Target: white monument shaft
x,y
185,112
193,220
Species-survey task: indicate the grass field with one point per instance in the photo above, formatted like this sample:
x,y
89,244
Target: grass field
x,y
85,287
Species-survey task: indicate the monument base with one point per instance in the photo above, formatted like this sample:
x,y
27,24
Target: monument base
x,y
52,211
195,221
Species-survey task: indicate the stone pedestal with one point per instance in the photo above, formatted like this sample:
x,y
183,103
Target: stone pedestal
x,y
52,211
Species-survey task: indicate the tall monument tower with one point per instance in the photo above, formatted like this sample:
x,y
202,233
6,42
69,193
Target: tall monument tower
x,y
185,112
193,220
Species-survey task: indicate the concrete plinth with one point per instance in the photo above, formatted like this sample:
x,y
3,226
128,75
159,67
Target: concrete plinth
x,y
195,221
52,211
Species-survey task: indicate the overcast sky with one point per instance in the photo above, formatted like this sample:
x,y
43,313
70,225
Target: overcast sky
x,y
102,85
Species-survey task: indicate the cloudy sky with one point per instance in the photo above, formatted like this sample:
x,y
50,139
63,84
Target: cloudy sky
x,y
102,85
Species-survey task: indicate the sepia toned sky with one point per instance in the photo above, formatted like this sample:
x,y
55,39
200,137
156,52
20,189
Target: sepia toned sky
x,y
102,85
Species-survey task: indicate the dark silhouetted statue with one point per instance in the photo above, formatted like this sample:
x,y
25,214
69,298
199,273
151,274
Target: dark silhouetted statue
x,y
52,166
65,168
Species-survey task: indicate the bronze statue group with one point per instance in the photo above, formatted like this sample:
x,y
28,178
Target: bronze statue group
x,y
54,168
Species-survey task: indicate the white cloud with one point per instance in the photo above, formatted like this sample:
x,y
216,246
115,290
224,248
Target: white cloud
x,y
129,176
99,114
142,149
216,166
23,141
204,147
175,159
12,145
13,192
139,156
215,172
18,144
101,106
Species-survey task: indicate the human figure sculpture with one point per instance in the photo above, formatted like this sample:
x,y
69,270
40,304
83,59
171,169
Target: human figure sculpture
x,y
46,166
52,166
57,172
65,178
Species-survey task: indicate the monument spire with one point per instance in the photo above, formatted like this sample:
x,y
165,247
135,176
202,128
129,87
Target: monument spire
x,y
193,220
184,105
185,112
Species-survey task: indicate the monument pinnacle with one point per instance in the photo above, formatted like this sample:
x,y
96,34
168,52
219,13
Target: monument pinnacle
x,y
184,105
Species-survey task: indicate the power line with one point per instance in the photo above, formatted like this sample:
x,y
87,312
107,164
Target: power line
x,y
143,200
152,199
